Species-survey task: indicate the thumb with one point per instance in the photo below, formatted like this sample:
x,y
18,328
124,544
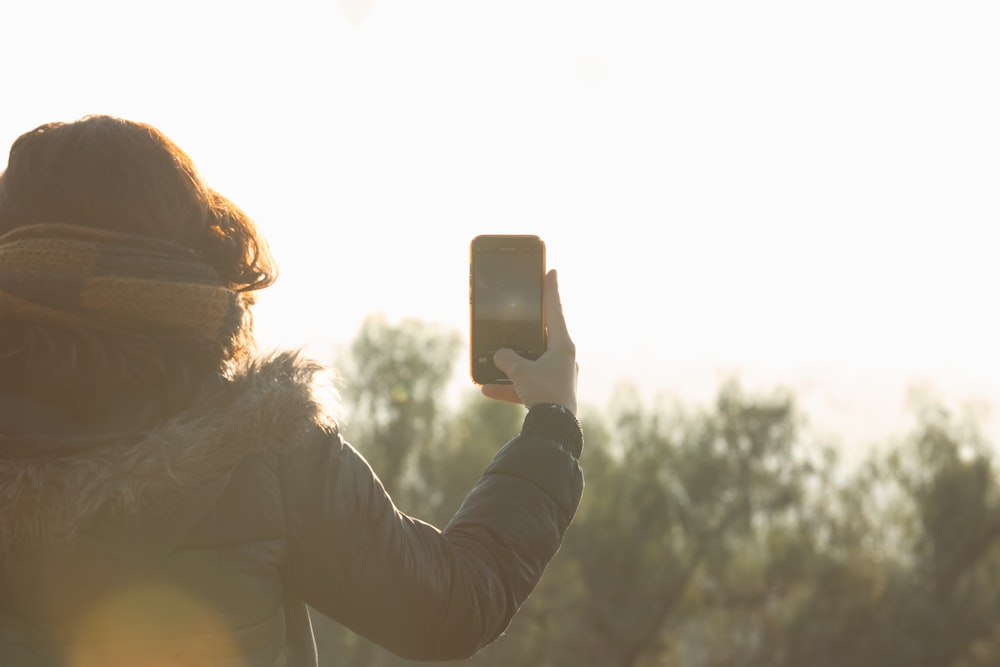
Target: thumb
x,y
507,360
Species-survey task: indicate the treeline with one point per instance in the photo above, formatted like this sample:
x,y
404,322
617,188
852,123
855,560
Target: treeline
x,y
720,537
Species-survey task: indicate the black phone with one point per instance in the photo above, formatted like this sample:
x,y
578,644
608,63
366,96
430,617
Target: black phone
x,y
505,301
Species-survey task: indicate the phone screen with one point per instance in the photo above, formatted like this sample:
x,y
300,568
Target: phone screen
x,y
506,284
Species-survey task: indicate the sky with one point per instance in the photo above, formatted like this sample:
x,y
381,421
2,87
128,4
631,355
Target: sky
x,y
797,194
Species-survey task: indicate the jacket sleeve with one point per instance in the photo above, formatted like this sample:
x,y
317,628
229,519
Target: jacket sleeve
x,y
421,592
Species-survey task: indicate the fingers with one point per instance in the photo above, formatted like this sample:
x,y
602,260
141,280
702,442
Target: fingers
x,y
555,322
507,360
552,377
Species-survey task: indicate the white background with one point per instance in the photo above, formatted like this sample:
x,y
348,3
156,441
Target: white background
x,y
803,194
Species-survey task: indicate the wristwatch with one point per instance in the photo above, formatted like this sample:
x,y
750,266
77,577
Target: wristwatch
x,y
555,422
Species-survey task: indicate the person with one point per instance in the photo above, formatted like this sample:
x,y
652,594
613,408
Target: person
x,y
169,494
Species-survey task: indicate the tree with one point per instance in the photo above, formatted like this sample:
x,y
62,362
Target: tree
x,y
724,536
683,500
395,380
449,465
902,572
944,499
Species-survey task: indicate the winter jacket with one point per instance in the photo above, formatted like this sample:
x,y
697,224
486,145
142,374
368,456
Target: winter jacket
x,y
202,539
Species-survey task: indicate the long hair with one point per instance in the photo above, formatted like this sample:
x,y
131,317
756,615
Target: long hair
x,y
109,173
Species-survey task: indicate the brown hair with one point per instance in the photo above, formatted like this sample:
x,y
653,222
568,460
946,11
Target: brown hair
x,y
115,174
125,176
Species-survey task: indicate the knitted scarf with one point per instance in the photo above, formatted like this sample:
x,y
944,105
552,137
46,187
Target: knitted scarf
x,y
79,276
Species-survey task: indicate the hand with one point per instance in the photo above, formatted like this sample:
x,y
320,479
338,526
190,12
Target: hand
x,y
552,377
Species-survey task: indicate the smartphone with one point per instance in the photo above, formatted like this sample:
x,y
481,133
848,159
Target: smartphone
x,y
505,301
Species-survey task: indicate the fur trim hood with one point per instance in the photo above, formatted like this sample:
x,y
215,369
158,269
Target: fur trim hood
x,y
51,487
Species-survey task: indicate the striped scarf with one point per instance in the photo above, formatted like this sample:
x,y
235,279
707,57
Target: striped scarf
x,y
79,276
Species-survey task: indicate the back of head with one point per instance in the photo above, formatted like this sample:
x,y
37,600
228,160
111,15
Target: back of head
x,y
108,173
126,178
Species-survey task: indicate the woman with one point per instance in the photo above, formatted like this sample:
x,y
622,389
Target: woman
x,y
169,496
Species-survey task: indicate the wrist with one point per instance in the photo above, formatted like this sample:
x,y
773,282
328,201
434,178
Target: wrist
x,y
557,423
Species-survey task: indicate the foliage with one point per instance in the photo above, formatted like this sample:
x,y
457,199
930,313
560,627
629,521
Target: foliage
x,y
720,536
395,379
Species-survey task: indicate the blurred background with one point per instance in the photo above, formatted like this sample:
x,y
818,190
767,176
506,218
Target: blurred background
x,y
774,222
798,193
